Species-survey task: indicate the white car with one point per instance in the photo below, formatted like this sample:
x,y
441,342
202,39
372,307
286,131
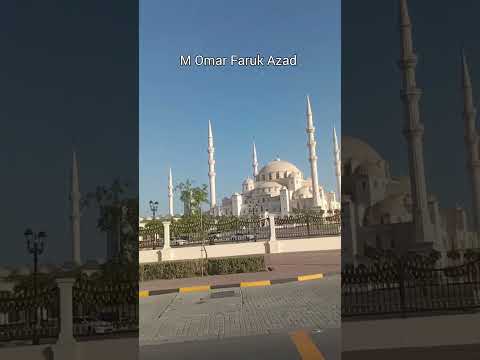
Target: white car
x,y
180,242
102,327
91,325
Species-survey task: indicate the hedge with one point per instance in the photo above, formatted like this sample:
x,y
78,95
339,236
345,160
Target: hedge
x,y
192,268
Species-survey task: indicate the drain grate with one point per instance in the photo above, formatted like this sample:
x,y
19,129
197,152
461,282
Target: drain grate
x,y
222,294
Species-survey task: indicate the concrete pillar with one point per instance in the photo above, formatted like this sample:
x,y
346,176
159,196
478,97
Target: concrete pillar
x,y
166,234
273,235
65,348
166,252
272,245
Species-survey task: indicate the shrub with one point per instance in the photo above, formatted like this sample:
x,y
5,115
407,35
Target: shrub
x,y
192,268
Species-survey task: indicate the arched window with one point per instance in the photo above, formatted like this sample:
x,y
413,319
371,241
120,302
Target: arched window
x,y
278,175
270,176
263,177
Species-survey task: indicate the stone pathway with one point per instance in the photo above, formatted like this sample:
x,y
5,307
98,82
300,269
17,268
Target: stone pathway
x,y
225,313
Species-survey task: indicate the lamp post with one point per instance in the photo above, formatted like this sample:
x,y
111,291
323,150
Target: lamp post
x,y
153,208
35,246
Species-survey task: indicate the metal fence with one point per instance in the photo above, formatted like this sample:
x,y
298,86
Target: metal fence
x,y
104,309
151,237
307,225
216,230
405,289
212,231
17,314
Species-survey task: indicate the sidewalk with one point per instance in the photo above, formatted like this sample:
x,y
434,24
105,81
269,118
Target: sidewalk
x,y
282,266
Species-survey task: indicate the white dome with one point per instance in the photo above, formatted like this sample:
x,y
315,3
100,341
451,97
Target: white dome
x,y
280,166
353,148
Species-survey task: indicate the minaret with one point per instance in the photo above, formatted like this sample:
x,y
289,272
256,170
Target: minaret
x,y
170,193
211,166
255,162
337,164
472,142
75,217
312,154
413,129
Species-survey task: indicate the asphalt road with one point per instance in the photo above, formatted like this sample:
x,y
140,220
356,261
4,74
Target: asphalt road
x,y
458,352
297,345
286,321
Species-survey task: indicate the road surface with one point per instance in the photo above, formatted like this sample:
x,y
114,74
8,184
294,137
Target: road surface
x,y
284,321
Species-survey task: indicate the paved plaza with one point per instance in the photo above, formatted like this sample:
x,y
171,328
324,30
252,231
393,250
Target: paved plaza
x,y
223,315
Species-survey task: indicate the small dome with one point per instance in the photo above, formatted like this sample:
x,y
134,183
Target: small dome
x,y
395,207
304,192
248,181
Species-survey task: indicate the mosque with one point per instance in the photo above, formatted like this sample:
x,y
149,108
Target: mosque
x,y
383,211
278,188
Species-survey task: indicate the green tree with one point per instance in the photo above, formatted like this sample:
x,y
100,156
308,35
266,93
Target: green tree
x,y
118,216
192,196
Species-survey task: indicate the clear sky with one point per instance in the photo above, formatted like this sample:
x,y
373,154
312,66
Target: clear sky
x,y
262,104
60,89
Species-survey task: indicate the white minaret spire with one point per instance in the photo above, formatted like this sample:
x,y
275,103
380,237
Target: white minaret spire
x,y
312,154
255,162
211,166
75,217
337,164
413,129
170,193
471,141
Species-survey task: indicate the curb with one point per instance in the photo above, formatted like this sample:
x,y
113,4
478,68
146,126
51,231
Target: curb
x,y
243,284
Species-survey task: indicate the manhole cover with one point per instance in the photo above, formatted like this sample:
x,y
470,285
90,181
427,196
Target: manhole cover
x,y
222,294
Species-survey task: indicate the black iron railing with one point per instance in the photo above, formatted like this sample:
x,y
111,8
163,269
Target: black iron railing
x,y
214,231
17,314
307,225
151,237
104,309
404,289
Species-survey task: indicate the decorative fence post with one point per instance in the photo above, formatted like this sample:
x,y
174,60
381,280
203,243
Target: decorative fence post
x,y
273,235
272,244
166,250
65,347
166,234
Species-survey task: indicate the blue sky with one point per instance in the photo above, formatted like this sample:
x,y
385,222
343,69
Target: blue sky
x,y
263,104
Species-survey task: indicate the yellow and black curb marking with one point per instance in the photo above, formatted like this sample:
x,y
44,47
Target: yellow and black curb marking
x,y
205,288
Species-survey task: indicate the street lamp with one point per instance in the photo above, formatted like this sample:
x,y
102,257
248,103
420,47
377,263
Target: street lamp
x,y
153,207
35,246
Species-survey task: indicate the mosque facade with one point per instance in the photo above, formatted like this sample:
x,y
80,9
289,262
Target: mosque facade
x,y
279,188
387,212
